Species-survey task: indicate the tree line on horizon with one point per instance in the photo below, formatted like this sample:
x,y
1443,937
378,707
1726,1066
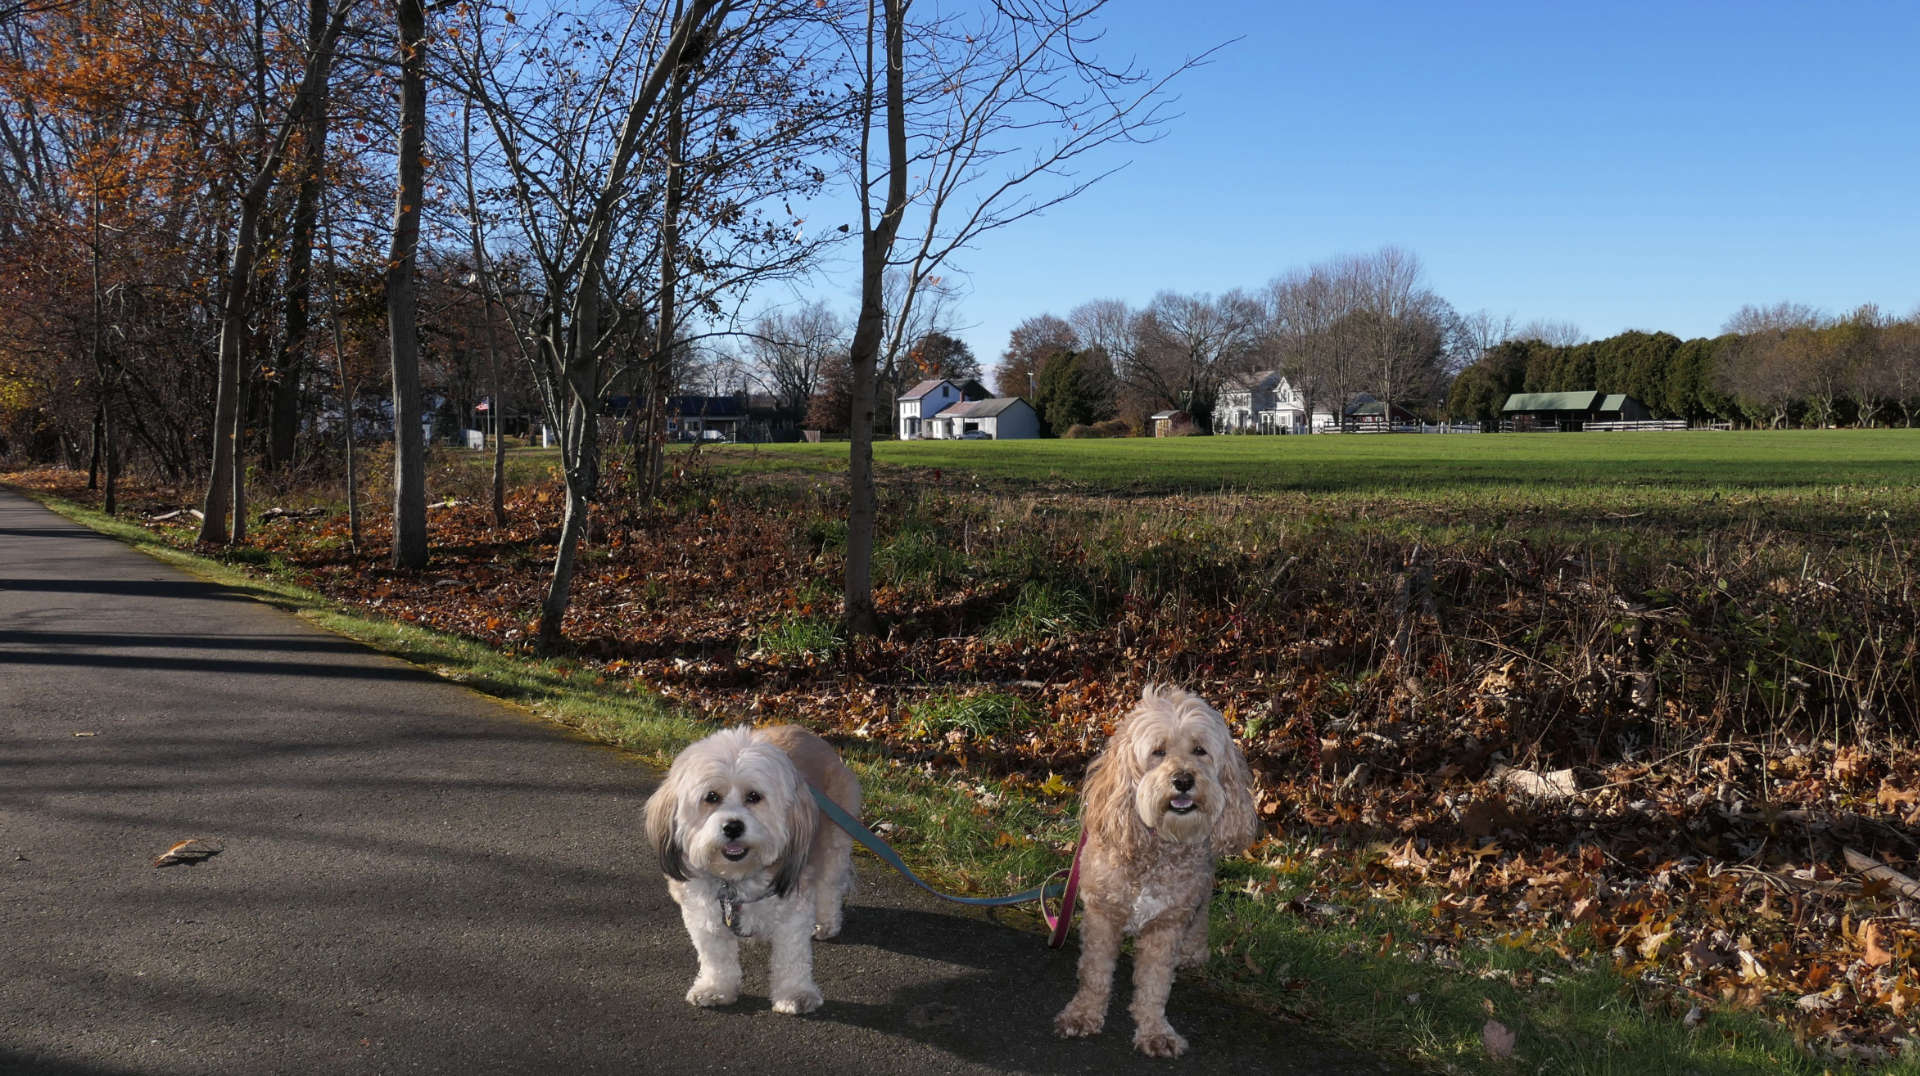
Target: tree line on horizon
x,y
1369,324
1774,366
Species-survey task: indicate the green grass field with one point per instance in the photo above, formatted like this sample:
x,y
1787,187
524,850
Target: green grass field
x,y
1431,466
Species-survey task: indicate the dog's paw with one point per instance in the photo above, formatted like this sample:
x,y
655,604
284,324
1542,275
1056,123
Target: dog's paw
x,y
823,931
707,995
802,1001
1162,1041
1079,1021
1191,958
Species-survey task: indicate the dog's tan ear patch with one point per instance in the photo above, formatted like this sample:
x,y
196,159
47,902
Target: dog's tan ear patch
x,y
663,829
1106,801
803,816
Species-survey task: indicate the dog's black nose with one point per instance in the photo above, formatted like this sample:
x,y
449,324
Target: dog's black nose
x,y
733,829
1183,782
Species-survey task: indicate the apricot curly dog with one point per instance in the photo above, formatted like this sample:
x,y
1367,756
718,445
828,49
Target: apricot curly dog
x,y
1168,797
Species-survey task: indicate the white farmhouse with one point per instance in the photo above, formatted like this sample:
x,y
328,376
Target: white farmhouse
x,y
1260,402
917,406
1005,418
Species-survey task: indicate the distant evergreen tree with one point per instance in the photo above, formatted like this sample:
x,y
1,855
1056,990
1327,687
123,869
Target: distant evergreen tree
x,y
1075,388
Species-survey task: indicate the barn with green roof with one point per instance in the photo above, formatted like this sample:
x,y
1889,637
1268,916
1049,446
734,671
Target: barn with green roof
x,y
1570,410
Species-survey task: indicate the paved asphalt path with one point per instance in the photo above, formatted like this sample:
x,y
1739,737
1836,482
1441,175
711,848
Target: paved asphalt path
x,y
417,878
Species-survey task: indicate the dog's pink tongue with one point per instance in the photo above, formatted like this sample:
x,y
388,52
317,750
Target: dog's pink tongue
x,y
1183,801
734,849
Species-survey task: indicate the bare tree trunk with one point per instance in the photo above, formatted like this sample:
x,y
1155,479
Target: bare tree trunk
x,y
649,430
877,246
112,503
662,365
103,418
239,533
233,326
553,609
95,437
581,442
409,449
659,398
494,408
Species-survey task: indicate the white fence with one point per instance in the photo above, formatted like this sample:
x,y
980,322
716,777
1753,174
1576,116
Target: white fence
x,y
1645,424
1403,427
1615,427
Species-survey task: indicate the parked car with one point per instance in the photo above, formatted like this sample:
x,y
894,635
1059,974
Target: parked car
x,y
976,435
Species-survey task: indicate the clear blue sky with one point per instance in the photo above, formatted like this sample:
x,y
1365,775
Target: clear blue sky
x,y
1616,166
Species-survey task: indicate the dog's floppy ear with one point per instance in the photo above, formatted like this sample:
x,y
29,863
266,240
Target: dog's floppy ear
x,y
1237,825
663,828
1106,799
803,817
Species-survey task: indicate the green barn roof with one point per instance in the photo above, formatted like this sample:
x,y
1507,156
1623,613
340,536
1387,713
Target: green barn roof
x,y
1551,401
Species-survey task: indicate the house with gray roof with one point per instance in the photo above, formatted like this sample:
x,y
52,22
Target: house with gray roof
x,y
1260,402
1003,418
916,408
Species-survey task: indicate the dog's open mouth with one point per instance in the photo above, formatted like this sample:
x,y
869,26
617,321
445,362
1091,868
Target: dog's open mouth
x,y
734,851
1180,804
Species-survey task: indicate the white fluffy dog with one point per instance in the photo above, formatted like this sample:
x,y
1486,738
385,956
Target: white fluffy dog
x,y
1168,797
747,854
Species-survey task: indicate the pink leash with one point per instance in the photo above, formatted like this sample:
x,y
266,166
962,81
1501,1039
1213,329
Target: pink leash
x,y
1062,922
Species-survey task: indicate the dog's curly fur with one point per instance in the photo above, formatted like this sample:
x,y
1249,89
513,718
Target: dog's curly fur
x,y
734,819
1169,796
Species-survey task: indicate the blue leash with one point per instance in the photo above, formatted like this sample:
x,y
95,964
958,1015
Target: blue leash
x,y
1065,890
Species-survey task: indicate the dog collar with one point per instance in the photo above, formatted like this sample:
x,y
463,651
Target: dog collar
x,y
730,903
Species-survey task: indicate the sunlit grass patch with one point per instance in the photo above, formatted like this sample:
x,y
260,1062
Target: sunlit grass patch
x,y
1042,610
980,716
798,636
917,557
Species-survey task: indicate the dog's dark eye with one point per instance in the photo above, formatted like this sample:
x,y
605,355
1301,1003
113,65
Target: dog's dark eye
x,y
711,797
753,797
1159,752
1198,750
